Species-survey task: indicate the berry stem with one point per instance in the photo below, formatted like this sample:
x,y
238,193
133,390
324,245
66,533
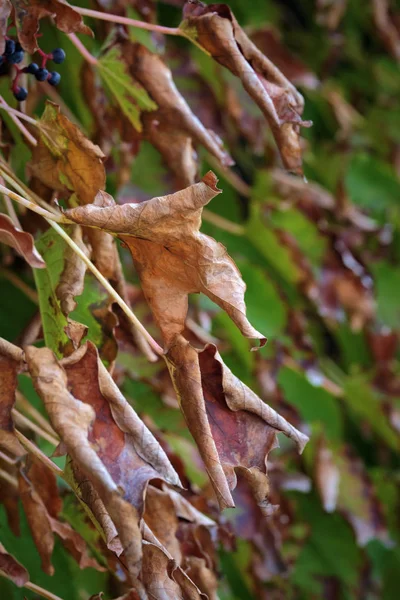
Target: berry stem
x,y
85,53
87,12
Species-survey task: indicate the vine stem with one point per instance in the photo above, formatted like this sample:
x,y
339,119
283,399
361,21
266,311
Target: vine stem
x,y
31,447
41,591
95,14
92,60
23,421
53,221
129,313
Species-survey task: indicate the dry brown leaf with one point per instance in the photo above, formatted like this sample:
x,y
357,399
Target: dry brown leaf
x,y
232,427
172,257
295,189
72,420
386,27
161,518
103,435
66,161
21,241
8,386
12,568
29,14
5,10
42,504
330,12
72,278
217,30
327,476
172,128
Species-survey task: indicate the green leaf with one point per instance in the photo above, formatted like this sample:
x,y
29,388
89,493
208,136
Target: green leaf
x,y
387,282
52,248
314,404
372,183
130,96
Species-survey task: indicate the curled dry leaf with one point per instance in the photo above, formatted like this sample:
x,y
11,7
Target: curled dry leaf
x,y
68,162
5,10
172,128
386,27
42,504
215,28
232,427
21,241
8,386
28,15
172,257
103,435
72,279
12,568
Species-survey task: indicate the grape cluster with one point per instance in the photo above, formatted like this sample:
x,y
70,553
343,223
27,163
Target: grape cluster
x,y
14,55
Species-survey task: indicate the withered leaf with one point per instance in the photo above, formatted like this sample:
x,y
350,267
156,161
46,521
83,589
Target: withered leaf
x,y
172,257
29,14
232,427
103,435
386,27
172,128
72,279
8,386
12,568
21,241
42,504
216,29
5,10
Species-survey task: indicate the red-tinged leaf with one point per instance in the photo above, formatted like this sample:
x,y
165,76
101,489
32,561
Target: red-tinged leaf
x,y
21,241
29,14
8,386
215,28
172,257
173,128
12,568
233,428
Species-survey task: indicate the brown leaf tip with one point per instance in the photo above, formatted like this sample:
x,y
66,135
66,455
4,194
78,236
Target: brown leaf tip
x,y
211,180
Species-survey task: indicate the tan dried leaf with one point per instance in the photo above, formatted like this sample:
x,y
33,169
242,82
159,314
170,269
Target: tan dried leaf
x,y
21,241
172,257
217,30
8,386
72,279
29,14
12,568
5,10
172,128
232,427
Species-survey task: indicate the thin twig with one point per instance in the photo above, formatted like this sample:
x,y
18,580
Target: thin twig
x,y
22,421
20,284
117,298
41,591
24,405
85,53
223,223
33,449
8,459
10,208
8,477
24,190
32,206
231,177
95,14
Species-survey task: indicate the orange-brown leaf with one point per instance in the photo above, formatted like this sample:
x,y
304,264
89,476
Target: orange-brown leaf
x,y
21,241
29,14
8,386
12,568
173,258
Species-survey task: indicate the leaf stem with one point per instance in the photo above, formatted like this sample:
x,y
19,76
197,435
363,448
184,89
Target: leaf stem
x,y
33,449
32,206
41,591
23,421
95,14
84,51
223,223
9,478
117,298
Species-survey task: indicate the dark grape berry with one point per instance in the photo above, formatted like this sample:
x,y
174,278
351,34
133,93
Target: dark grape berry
x,y
16,58
1,60
33,68
10,48
58,56
18,47
41,74
54,78
20,94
